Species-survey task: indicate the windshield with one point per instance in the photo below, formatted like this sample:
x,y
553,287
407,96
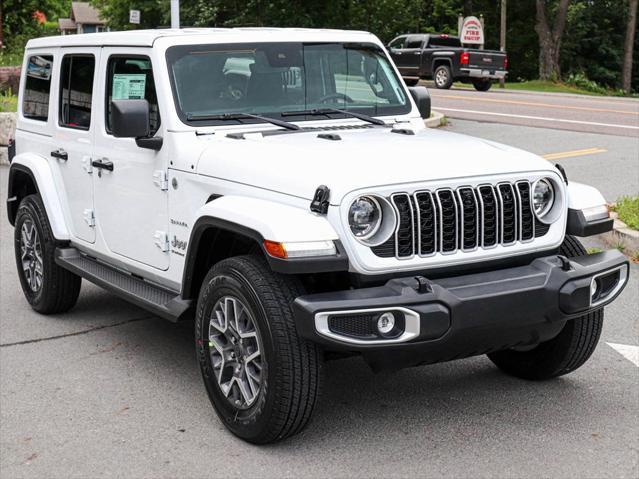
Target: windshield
x,y
273,78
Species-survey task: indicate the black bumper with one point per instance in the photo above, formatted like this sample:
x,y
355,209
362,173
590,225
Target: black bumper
x,y
468,315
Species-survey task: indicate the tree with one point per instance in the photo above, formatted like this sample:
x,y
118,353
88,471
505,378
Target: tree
x,y
550,39
626,75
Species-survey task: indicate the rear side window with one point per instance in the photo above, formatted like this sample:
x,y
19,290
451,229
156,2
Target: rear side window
x,y
414,42
76,91
131,78
37,87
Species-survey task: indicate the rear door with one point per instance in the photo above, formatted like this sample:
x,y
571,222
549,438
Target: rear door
x,y
72,142
131,197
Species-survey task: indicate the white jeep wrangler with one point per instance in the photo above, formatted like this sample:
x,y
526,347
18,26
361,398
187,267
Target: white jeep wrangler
x,y
279,186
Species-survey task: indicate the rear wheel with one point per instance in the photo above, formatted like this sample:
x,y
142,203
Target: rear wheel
x,y
443,77
482,85
563,354
47,287
261,377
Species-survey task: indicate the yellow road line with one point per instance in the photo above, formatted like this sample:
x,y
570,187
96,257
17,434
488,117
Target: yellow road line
x,y
531,103
573,153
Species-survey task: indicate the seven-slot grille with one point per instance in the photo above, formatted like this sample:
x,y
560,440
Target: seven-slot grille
x,y
447,220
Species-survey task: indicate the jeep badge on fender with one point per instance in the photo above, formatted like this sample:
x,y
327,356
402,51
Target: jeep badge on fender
x,y
316,217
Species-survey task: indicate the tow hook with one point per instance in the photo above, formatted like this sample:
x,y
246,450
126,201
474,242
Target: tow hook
x,y
565,263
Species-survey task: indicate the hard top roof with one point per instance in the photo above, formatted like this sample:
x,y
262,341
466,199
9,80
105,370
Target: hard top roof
x,y
146,38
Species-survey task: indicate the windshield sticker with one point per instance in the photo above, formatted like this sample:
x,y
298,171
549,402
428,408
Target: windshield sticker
x,y
39,67
129,86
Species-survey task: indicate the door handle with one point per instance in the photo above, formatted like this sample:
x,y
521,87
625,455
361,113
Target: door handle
x,y
103,163
60,154
417,53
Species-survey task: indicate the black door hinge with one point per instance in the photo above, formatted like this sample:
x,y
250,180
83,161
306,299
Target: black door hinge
x,y
320,200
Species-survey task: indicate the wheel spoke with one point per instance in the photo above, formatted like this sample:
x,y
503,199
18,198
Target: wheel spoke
x,y
235,351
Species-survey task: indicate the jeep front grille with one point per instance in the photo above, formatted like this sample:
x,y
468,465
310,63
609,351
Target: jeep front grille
x,y
448,220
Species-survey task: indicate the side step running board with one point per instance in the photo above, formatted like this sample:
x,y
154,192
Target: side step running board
x,y
164,303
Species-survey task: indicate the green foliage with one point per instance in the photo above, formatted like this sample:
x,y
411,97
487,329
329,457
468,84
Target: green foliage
x,y
153,13
8,102
628,210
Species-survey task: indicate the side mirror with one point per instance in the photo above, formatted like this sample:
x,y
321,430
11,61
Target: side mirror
x,y
130,119
422,100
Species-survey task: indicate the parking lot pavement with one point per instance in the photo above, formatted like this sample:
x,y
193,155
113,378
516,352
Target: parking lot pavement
x,y
109,391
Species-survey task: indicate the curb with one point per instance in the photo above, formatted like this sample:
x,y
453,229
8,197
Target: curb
x,y
436,120
622,235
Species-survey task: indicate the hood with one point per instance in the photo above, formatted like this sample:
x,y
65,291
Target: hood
x,y
296,163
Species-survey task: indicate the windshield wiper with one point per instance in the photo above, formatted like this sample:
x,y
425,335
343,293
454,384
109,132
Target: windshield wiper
x,y
243,116
326,111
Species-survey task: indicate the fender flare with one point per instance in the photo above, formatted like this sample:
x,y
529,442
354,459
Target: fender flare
x,y
261,220
582,197
38,169
441,59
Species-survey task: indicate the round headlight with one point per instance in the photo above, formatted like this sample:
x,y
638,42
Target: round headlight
x,y
364,217
543,197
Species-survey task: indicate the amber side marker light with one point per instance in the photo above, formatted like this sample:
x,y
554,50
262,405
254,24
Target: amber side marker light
x,y
301,249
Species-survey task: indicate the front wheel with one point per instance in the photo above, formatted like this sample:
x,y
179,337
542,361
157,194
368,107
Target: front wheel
x,y
570,349
482,85
261,377
48,288
411,81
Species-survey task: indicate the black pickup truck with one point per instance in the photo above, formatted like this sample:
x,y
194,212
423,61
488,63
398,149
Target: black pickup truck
x,y
442,58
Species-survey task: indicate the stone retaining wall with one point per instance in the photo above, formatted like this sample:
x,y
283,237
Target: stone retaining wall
x,y
10,79
7,130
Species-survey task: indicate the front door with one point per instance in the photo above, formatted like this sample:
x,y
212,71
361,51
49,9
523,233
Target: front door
x,y
131,198
72,144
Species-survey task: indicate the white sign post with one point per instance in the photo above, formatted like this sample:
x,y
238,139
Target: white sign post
x,y
472,32
134,16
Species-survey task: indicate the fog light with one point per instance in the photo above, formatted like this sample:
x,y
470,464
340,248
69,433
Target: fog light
x,y
594,287
385,323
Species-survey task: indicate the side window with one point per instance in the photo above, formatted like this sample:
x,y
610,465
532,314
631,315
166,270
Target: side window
x,y
76,91
414,42
131,78
398,43
37,87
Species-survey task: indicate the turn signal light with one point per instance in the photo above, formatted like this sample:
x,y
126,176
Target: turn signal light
x,y
302,249
464,58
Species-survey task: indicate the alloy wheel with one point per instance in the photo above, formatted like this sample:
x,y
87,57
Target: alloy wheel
x,y
236,351
31,255
441,78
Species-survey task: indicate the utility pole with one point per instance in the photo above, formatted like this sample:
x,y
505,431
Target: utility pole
x,y
175,13
502,37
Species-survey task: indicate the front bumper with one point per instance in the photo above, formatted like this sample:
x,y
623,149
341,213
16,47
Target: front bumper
x,y
483,73
464,315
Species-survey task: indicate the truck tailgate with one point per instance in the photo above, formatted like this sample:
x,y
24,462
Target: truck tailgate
x,y
486,60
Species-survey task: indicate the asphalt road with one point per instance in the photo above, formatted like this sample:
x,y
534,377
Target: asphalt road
x,y
592,114
109,391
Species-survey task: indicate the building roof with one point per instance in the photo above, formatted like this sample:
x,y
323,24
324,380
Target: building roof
x,y
147,38
66,24
82,12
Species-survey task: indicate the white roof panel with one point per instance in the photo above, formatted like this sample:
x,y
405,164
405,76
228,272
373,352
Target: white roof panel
x,y
198,35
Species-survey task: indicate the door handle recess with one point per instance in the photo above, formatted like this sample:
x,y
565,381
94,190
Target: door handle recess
x,y
103,164
60,154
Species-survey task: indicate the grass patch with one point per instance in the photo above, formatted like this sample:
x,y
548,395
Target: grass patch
x,y
628,210
552,87
8,102
594,250
10,59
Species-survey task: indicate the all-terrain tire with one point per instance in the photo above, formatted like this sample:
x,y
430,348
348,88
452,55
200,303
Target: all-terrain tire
x,y
563,354
443,77
59,288
482,85
292,366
